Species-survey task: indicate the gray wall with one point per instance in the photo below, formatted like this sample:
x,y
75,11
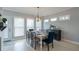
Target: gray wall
x,y
70,28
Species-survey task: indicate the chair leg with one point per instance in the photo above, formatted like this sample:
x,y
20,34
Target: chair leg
x,y
42,44
48,46
52,45
31,43
35,44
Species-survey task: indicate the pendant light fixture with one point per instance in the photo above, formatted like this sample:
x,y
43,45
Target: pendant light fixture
x,y
37,17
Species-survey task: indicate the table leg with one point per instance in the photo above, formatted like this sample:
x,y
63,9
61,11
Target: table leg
x,y
41,43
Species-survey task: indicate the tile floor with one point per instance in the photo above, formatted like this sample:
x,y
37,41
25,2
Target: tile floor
x,y
22,45
18,45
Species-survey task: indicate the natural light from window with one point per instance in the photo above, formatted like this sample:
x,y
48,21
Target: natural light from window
x,y
46,24
30,23
46,20
53,19
38,25
18,26
66,17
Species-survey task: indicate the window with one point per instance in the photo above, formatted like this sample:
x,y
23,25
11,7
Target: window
x,y
46,24
66,17
61,18
6,31
46,20
53,19
38,24
30,23
18,26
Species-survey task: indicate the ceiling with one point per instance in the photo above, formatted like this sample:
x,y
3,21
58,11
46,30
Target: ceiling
x,y
43,11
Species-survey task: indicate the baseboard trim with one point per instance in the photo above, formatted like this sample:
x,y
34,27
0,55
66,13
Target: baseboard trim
x,y
73,42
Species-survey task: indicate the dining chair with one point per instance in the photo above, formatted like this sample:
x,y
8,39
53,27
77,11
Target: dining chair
x,y
49,39
34,38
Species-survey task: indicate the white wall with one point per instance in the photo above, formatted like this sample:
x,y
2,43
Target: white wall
x,y
70,28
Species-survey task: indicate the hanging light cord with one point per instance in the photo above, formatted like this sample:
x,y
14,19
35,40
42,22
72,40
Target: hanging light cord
x,y
37,13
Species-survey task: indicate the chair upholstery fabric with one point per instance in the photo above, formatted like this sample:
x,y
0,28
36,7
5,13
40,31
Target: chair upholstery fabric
x,y
49,39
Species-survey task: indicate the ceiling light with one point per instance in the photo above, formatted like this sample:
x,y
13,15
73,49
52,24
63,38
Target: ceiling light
x,y
38,17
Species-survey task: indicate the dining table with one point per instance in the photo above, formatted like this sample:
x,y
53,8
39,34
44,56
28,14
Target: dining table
x,y
41,37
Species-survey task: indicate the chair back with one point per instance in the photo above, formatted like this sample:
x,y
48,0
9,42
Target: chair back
x,y
33,34
50,37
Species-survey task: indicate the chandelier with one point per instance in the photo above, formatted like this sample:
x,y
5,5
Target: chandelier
x,y
38,17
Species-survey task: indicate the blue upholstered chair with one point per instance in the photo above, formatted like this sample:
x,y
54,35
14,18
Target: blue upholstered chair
x,y
49,39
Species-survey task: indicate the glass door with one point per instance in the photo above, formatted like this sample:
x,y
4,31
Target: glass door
x,y
19,27
5,32
7,42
